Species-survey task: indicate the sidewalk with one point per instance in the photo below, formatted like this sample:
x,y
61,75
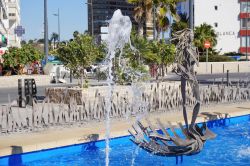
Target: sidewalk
x,y
63,136
12,81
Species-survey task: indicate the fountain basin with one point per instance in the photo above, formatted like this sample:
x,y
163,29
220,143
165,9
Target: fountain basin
x,y
231,147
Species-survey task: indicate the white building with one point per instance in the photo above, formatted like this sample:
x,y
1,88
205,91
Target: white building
x,y
3,27
14,21
229,20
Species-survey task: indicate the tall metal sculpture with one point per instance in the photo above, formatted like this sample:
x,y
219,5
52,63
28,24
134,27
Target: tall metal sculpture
x,y
168,142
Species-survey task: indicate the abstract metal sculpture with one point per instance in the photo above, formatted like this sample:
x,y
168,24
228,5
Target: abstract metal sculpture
x,y
165,143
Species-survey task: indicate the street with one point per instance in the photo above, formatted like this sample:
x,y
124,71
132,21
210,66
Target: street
x,y
203,79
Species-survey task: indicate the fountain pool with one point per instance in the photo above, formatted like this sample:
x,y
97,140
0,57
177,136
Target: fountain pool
x,y
230,147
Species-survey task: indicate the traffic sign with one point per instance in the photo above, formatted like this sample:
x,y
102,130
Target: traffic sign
x,y
207,44
19,31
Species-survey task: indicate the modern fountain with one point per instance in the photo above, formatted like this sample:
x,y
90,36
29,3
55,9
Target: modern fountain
x,y
119,35
69,108
195,136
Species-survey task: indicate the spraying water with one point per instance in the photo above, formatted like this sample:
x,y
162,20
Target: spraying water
x,y
119,35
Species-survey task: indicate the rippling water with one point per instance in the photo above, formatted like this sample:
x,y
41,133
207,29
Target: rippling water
x,y
231,147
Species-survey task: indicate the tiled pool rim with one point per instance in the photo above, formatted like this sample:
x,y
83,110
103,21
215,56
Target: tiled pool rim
x,y
211,123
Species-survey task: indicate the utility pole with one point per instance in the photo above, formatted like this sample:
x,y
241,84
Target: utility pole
x,y
46,42
191,15
59,31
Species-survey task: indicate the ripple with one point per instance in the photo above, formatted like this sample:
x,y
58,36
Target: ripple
x,y
244,152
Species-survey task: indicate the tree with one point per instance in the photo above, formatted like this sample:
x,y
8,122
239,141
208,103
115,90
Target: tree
x,y
17,58
182,24
40,41
54,37
80,53
149,52
161,54
30,41
75,34
203,33
162,21
142,13
23,42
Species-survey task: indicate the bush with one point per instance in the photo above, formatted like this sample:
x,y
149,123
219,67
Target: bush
x,y
216,58
233,54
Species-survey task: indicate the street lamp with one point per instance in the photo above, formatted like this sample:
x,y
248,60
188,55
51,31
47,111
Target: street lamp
x,y
191,14
46,42
92,20
247,32
154,20
59,33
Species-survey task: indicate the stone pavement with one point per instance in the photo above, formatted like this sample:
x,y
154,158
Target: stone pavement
x,y
57,137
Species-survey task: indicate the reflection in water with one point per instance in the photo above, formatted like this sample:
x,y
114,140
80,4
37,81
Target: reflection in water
x,y
16,158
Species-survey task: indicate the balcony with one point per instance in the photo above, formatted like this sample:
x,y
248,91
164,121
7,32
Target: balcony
x,y
244,15
5,10
245,32
243,49
14,5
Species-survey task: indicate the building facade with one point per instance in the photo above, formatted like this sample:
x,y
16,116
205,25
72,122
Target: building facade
x,y
103,10
229,18
14,21
9,20
4,25
3,22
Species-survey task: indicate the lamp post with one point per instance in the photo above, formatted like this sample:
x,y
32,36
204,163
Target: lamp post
x,y
154,21
247,32
92,18
58,16
191,14
46,42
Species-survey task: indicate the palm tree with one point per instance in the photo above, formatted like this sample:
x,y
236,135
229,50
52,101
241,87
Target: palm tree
x,y
142,13
54,37
75,34
164,7
182,24
203,33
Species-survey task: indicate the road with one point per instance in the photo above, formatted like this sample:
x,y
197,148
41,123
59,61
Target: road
x,y
203,79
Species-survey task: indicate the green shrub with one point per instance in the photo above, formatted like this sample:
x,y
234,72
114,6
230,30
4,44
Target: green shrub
x,y
216,58
233,54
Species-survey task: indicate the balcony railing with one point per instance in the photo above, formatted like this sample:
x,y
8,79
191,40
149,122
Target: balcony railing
x,y
5,10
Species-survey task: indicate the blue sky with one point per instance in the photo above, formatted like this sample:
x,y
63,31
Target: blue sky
x,y
73,15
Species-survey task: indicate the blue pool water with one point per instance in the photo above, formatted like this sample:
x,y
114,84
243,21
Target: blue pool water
x,y
230,148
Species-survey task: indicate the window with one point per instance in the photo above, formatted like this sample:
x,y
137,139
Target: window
x,y
215,7
243,41
216,24
12,14
245,23
245,7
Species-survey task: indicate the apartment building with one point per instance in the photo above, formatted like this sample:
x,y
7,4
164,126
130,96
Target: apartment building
x,y
14,21
103,11
229,18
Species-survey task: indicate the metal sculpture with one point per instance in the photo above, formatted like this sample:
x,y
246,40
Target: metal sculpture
x,y
164,143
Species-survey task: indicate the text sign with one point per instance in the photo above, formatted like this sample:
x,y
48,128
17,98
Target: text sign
x,y
19,31
207,44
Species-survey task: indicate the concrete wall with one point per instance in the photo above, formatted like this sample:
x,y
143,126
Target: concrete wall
x,y
217,67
